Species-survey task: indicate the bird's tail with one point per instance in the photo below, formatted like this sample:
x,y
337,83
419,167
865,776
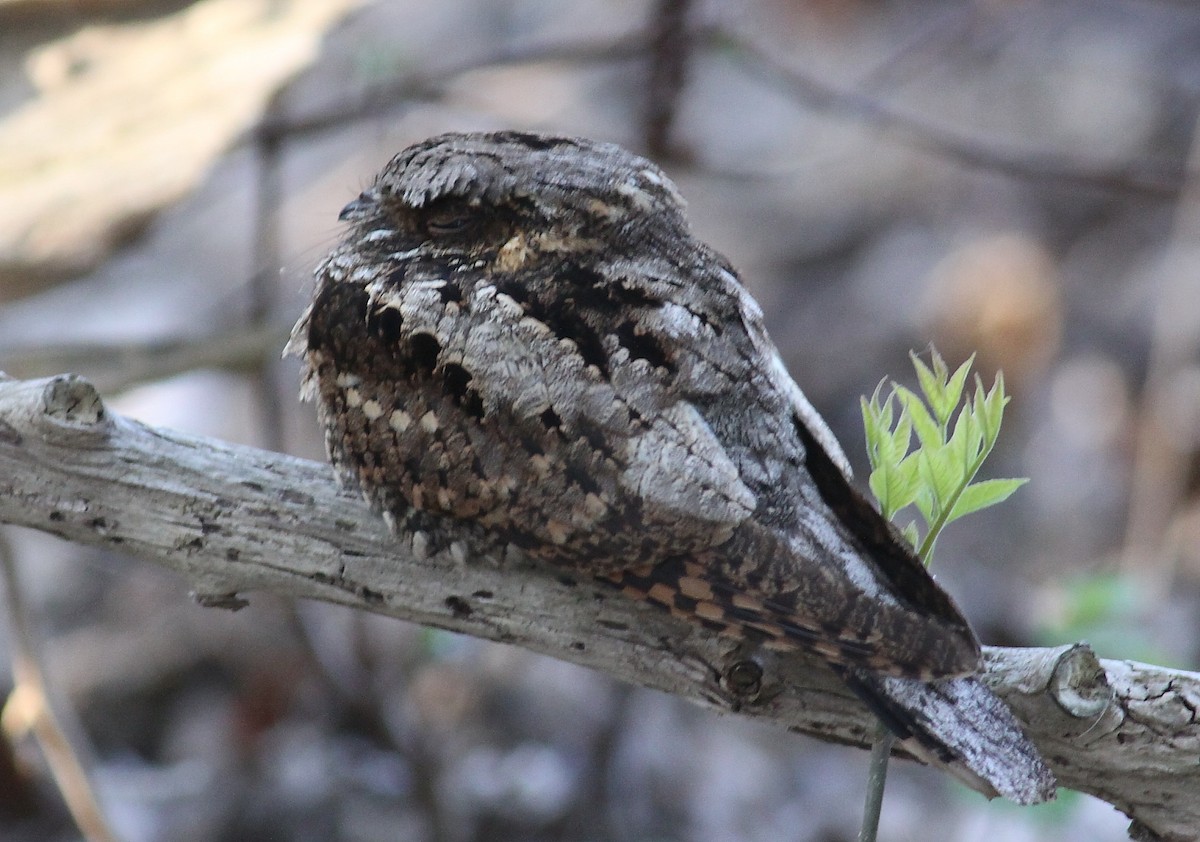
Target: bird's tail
x,y
961,726
957,724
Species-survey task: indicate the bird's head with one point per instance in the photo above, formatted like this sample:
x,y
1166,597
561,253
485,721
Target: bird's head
x,y
507,201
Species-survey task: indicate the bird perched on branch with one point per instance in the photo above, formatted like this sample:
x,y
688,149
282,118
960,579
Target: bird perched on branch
x,y
520,343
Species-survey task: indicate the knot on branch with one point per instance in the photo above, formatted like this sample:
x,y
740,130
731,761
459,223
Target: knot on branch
x,y
65,409
69,399
743,679
1079,683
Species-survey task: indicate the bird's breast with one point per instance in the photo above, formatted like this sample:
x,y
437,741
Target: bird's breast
x,y
465,406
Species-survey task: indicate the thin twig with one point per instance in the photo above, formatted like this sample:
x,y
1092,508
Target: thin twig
x,y
1033,165
382,98
670,46
29,705
949,27
117,366
1022,163
267,259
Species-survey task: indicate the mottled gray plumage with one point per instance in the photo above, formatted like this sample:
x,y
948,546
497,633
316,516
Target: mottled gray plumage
x,y
520,343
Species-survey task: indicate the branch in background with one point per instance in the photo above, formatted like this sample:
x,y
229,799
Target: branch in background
x,y
911,129
915,131
267,258
949,28
236,519
380,99
28,708
117,366
670,44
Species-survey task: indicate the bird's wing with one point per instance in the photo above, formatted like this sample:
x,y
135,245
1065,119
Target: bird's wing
x,y
816,566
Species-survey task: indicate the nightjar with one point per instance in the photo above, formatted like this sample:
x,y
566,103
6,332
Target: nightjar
x,y
520,343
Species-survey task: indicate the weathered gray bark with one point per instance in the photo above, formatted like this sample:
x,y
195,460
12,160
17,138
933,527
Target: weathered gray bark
x,y
235,519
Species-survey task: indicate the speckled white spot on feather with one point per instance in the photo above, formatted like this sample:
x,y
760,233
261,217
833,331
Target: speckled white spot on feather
x,y
420,546
507,302
679,321
404,255
642,200
399,420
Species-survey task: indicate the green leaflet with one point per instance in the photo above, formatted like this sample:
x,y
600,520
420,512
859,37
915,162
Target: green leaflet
x,y
954,437
980,495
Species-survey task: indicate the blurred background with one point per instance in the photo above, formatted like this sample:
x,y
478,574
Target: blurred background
x,y
1001,177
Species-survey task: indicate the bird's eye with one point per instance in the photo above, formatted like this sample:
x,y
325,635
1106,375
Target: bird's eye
x,y
450,221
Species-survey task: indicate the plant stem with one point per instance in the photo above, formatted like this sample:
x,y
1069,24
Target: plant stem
x,y
925,551
881,750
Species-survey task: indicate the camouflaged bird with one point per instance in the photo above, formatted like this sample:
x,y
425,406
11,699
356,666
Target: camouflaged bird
x,y
519,342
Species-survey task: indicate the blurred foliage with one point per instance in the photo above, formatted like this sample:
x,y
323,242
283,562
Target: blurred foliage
x,y
1109,611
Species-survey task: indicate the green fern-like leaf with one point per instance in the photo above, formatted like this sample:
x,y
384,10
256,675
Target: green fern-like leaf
x,y
954,437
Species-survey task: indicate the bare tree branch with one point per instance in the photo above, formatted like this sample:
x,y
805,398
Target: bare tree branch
x,y
1057,167
114,366
235,519
1035,165
379,99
